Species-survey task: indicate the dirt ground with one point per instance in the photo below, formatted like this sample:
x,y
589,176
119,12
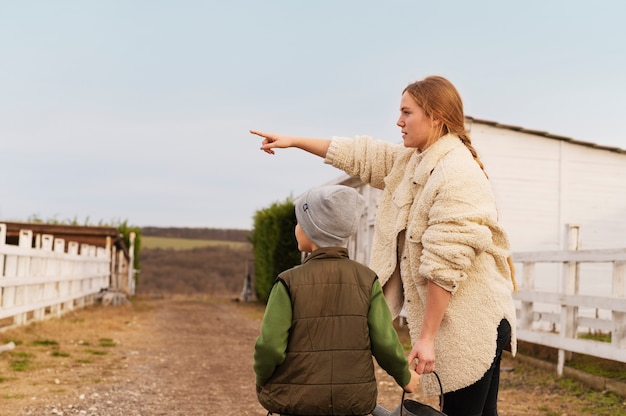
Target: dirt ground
x,y
183,357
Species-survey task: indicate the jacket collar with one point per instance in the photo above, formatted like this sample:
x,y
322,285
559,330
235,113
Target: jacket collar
x,y
433,154
327,253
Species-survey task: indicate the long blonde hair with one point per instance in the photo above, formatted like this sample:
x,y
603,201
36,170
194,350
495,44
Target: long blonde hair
x,y
441,101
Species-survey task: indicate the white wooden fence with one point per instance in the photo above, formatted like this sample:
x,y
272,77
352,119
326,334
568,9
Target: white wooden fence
x,y
558,318
48,280
555,309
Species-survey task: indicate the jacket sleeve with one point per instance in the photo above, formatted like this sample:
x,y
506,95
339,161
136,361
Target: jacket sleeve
x,y
363,157
271,346
386,346
460,224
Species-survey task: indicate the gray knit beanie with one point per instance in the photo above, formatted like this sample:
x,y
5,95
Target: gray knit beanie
x,y
330,214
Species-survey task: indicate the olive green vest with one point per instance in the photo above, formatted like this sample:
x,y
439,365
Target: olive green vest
x,y
329,368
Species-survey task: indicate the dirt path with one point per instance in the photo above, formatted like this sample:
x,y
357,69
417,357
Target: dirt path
x,y
176,357
171,358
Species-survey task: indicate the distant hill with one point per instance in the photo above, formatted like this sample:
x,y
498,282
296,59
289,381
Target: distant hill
x,y
223,234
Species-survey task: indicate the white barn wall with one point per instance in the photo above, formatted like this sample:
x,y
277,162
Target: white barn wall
x,y
524,172
543,183
595,180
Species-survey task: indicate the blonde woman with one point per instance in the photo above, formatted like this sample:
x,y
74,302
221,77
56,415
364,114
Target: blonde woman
x,y
438,248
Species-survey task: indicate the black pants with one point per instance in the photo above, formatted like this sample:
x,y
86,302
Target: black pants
x,y
480,398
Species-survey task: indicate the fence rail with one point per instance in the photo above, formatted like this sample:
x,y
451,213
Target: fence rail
x,y
41,277
557,318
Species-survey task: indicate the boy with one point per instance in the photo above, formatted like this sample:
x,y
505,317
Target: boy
x,y
325,319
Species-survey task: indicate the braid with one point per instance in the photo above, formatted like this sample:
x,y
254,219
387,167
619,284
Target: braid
x,y
509,260
468,143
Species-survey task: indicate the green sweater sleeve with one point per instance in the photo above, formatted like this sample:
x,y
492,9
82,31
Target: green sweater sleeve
x,y
386,346
270,349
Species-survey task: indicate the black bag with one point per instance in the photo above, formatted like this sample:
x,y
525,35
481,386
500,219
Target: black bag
x,y
410,407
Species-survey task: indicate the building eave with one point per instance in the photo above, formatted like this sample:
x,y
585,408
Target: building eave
x,y
472,120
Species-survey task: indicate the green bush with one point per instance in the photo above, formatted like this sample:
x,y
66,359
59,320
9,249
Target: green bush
x,y
274,245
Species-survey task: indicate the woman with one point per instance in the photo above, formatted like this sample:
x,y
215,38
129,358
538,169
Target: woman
x,y
438,249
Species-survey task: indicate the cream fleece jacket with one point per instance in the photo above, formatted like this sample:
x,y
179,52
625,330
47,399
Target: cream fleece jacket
x,y
440,201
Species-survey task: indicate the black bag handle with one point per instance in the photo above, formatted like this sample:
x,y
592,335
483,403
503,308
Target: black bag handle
x,y
440,395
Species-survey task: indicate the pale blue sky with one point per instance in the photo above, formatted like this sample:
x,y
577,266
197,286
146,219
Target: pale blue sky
x,y
139,110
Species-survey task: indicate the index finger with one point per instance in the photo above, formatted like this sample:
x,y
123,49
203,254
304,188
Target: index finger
x,y
259,133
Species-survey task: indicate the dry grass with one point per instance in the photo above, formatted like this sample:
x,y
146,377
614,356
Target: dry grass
x,y
172,243
216,269
52,357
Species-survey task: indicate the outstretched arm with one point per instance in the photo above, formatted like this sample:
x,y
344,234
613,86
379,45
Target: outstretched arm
x,y
271,141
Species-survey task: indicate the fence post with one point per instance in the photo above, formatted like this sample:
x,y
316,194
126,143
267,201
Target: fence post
x,y
131,265
569,286
618,336
3,242
528,284
25,240
247,290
